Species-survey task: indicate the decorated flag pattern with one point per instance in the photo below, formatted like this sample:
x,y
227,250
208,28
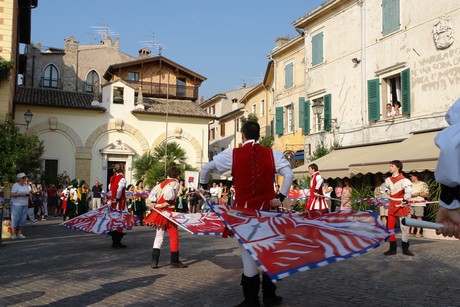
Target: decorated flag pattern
x,y
102,220
196,223
286,243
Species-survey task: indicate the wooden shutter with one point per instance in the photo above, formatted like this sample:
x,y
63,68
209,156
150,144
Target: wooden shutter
x,y
327,112
373,99
405,89
301,112
306,128
279,120
289,75
317,49
390,16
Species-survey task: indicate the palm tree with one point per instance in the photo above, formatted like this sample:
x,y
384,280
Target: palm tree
x,y
152,166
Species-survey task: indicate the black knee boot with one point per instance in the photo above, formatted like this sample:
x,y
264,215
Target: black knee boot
x,y
251,286
405,248
391,250
175,263
155,258
116,239
268,289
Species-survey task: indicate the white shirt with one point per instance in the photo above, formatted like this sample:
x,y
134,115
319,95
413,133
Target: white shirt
x,y
20,189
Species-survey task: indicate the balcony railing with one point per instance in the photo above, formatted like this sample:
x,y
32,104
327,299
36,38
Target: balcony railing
x,y
162,90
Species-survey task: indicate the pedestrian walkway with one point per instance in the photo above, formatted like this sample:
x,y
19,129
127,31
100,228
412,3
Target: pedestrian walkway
x,y
58,266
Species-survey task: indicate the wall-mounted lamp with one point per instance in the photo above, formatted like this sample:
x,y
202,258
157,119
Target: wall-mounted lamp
x,y
318,109
27,118
355,61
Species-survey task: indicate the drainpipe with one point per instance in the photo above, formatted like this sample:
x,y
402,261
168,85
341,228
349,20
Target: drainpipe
x,y
363,65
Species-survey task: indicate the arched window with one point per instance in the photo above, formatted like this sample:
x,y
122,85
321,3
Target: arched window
x,y
51,77
92,82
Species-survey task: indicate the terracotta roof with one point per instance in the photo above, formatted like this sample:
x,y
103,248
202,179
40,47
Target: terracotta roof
x,y
174,107
54,98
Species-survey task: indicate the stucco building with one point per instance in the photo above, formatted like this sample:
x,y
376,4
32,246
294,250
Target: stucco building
x,y
359,56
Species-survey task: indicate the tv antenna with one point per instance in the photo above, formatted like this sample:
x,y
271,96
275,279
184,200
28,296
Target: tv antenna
x,y
152,44
104,30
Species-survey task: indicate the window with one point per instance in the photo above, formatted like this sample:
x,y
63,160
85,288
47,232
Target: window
x,y
390,16
213,134
394,88
51,77
317,56
92,82
318,117
254,109
118,94
290,118
289,75
222,130
262,107
398,92
213,109
133,76
180,87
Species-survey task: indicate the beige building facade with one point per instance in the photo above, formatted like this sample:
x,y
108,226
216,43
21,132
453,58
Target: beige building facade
x,y
361,55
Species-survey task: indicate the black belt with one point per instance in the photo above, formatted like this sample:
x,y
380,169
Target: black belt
x,y
448,194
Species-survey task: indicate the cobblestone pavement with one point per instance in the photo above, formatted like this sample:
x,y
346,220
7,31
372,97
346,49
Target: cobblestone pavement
x,y
58,266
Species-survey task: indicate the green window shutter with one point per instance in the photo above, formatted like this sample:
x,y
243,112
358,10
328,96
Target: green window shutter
x,y
317,49
279,120
306,119
390,16
405,89
373,99
327,112
289,75
301,112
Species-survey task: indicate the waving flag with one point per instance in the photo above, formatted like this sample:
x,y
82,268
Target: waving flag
x,y
286,243
298,194
376,202
102,220
196,223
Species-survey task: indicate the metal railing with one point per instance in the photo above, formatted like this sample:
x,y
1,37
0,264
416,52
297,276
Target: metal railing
x,y
162,90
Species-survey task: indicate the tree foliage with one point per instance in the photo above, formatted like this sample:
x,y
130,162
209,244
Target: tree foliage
x,y
19,153
151,167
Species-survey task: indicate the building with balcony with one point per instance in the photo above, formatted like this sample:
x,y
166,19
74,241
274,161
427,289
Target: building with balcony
x,y
94,106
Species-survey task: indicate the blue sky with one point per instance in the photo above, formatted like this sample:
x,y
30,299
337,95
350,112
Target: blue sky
x,y
224,41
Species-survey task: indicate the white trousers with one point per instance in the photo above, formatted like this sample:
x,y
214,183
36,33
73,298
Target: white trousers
x,y
250,267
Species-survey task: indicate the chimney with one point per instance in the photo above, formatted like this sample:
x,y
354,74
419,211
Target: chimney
x,y
281,40
144,53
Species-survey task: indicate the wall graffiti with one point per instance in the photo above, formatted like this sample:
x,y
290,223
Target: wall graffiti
x,y
437,72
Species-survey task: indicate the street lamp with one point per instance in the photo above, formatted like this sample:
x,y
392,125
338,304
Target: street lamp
x,y
318,109
27,118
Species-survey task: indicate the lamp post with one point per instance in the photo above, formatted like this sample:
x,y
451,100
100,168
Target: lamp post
x,y
28,118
